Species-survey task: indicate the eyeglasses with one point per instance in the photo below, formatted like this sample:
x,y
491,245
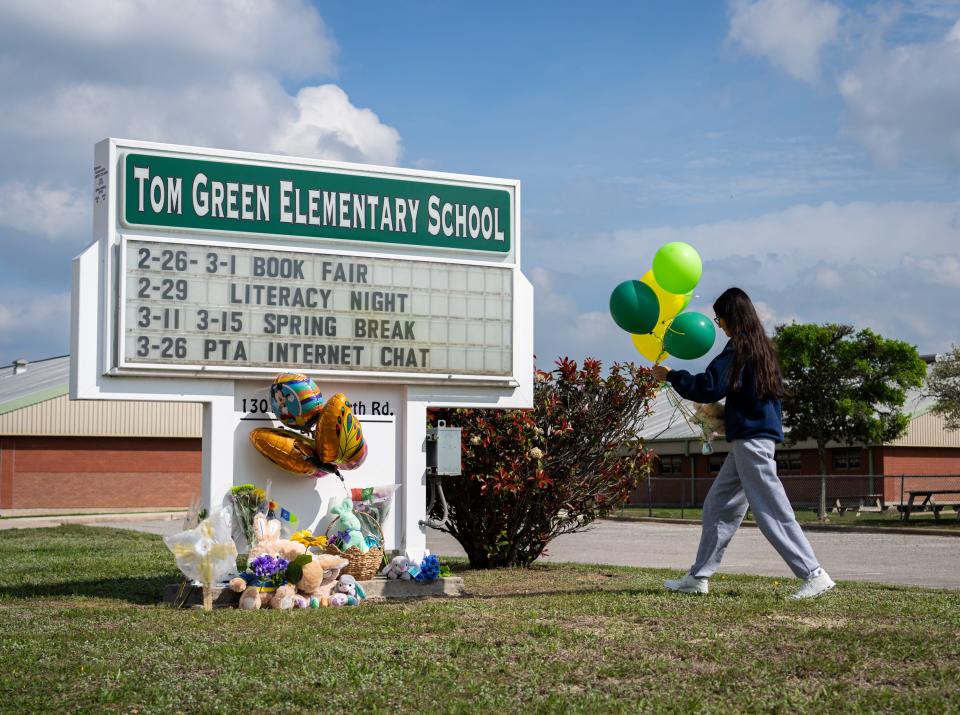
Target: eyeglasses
x,y
717,321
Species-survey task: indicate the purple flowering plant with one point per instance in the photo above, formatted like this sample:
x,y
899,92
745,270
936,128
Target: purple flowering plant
x,y
270,569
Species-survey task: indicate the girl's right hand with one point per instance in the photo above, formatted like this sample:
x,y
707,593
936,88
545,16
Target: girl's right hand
x,y
660,372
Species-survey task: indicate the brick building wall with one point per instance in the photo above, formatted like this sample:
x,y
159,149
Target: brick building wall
x,y
98,472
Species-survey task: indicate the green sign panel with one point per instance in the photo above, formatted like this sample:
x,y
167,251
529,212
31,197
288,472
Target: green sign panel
x,y
193,194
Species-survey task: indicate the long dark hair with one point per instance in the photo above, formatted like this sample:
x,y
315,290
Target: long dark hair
x,y
751,346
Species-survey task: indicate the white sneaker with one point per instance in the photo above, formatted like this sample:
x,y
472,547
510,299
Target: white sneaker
x,y
687,584
819,583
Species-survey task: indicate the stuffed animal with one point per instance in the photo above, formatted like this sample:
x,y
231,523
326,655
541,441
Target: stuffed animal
x,y
710,417
267,540
348,586
399,567
284,598
351,524
245,585
250,599
320,576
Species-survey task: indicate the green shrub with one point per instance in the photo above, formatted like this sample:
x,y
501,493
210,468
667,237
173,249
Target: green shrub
x,y
531,475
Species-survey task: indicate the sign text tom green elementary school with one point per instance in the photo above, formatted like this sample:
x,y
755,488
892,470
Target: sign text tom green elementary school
x,y
252,198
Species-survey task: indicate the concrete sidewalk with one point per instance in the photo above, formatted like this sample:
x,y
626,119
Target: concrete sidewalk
x,y
155,522
904,559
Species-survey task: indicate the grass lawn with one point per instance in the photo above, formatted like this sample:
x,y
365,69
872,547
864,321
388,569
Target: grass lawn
x,y
82,631
889,518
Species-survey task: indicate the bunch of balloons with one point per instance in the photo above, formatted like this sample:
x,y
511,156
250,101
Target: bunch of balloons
x,y
328,436
650,309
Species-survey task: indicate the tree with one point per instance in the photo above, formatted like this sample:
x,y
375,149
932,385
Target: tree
x,y
531,475
943,384
844,386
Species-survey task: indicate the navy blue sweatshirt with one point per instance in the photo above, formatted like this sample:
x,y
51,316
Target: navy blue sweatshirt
x,y
746,416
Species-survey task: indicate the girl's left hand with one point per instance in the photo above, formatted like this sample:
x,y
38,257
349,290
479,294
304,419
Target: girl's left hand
x,y
660,372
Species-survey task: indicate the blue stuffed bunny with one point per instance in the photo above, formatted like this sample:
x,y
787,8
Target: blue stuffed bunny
x,y
351,524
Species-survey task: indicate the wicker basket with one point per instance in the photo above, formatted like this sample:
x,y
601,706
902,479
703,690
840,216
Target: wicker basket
x,y
362,567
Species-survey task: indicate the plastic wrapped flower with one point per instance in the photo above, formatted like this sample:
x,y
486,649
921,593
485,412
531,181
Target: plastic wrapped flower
x,y
429,569
206,553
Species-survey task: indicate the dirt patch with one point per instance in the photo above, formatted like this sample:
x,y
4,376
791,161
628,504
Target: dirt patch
x,y
809,621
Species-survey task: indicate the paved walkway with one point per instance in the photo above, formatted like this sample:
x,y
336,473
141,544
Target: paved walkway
x,y
908,559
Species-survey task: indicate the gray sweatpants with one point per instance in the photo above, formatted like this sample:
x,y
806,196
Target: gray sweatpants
x,y
748,477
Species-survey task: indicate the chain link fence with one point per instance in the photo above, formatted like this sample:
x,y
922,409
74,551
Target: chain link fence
x,y
901,496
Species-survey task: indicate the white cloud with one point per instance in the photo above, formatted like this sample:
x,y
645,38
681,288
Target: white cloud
x,y
167,41
937,270
328,125
825,263
791,34
905,100
780,245
211,73
550,300
33,326
235,74
54,213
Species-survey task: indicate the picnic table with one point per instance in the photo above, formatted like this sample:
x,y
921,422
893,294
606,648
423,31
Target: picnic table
x,y
928,502
859,502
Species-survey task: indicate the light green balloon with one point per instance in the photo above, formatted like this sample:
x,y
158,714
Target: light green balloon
x,y
677,267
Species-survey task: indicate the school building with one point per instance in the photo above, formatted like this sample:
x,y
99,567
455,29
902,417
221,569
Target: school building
x,y
926,456
63,456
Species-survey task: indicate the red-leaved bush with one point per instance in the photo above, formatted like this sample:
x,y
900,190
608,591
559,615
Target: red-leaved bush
x,y
531,475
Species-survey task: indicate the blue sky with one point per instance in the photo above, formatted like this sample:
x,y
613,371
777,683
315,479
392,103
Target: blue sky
x,y
809,149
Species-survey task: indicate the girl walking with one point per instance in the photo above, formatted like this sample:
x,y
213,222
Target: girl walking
x,y
748,375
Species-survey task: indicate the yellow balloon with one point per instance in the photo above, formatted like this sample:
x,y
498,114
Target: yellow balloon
x,y
670,303
650,345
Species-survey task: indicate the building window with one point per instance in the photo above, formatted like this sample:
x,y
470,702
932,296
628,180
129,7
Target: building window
x,y
788,461
715,462
846,459
671,464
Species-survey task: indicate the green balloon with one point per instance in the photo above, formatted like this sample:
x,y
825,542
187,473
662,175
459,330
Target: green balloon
x,y
635,307
689,336
677,267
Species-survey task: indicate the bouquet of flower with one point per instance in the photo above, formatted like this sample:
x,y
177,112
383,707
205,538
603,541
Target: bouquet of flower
x,y
246,500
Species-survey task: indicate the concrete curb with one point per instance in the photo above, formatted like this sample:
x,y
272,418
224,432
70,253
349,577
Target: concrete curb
x,y
807,526
35,522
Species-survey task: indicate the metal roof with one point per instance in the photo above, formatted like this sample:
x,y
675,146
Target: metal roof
x,y
41,380
35,402
666,423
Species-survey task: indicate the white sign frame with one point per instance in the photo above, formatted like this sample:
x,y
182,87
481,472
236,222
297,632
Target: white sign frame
x,y
397,440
